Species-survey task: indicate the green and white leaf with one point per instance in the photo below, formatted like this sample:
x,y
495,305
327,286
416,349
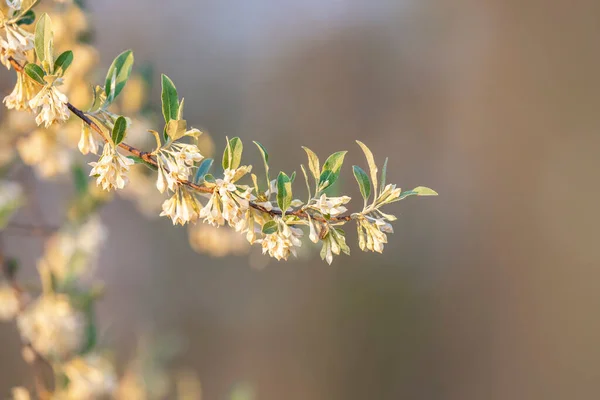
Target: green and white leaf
x,y
232,156
313,163
170,99
119,129
424,191
363,181
43,41
269,227
176,128
284,191
371,162
63,62
117,75
383,175
35,72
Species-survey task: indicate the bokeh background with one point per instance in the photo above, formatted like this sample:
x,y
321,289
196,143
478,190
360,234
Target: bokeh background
x,y
489,291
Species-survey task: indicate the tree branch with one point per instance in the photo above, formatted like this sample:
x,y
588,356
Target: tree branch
x,y
148,158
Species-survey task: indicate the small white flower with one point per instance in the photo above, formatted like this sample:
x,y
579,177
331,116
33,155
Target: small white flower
x,y
227,203
52,326
182,207
90,377
283,242
87,141
9,302
332,206
175,164
23,92
111,169
16,44
51,105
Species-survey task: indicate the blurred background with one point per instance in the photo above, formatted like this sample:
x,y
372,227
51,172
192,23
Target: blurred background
x,y
489,291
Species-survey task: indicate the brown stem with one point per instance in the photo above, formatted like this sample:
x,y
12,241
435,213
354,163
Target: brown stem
x,y
147,157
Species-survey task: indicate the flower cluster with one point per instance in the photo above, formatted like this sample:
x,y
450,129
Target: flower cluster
x,y
111,169
53,326
282,241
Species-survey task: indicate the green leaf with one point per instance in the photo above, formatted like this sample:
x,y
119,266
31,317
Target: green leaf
x,y
383,175
27,18
232,156
269,227
331,170
118,132
203,169
284,192
63,62
371,162
363,181
170,99
209,178
313,163
80,179
43,39
36,73
117,75
424,191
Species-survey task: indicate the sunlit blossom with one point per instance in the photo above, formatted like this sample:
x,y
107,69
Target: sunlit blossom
x,y
51,105
111,169
332,206
182,207
23,92
283,242
15,44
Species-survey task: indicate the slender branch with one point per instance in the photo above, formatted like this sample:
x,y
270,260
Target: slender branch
x,y
32,230
148,158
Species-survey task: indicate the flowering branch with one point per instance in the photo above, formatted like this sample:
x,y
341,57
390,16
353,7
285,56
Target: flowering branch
x,y
269,217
